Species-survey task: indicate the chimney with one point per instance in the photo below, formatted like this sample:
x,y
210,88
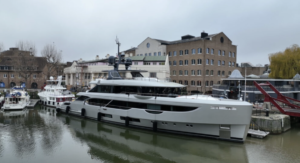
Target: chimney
x,y
97,57
203,34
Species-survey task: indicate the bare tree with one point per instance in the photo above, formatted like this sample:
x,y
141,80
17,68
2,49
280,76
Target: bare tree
x,y
53,57
25,65
27,46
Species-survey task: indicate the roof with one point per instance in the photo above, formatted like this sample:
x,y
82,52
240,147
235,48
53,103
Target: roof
x,y
297,76
236,74
185,40
155,58
137,58
133,48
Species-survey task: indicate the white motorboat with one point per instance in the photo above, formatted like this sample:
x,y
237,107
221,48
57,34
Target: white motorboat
x,y
160,105
16,99
54,94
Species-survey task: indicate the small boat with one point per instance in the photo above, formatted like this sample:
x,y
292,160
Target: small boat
x,y
16,99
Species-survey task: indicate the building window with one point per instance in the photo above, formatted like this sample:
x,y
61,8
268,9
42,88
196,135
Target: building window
x,y
181,52
219,82
149,54
186,52
199,61
223,73
212,62
223,63
192,83
169,54
229,54
180,63
159,53
5,68
186,72
199,72
174,81
154,63
34,76
207,72
174,53
199,50
193,51
161,63
138,55
233,55
12,75
174,72
211,72
170,63
207,61
219,62
186,62
5,75
145,54
219,52
180,72
193,72
193,61
154,53
152,74
174,63
233,64
212,51
198,83
229,72
219,73
186,82
141,54
206,83
223,53
207,50
146,63
180,81
211,83
229,63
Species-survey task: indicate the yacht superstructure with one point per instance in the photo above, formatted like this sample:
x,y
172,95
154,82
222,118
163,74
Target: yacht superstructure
x,y
54,94
160,105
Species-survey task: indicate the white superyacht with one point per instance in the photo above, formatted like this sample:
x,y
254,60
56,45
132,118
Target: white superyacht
x,y
54,94
160,105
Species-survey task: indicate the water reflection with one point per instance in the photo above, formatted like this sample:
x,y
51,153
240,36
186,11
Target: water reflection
x,y
25,129
112,143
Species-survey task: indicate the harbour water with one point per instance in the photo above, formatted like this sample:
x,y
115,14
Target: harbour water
x,y
41,135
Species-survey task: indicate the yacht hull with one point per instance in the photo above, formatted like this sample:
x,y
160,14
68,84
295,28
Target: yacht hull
x,y
204,121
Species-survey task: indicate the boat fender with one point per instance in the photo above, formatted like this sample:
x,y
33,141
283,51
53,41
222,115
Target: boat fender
x,y
82,112
57,110
127,121
99,116
68,110
154,126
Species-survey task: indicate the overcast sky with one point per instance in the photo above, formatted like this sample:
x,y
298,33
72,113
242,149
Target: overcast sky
x,y
86,28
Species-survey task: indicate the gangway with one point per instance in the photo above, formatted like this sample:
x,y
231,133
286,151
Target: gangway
x,y
289,109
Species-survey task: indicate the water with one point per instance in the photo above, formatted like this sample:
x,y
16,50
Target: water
x,y
41,135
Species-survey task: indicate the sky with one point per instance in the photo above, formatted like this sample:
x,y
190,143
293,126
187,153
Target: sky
x,y
86,28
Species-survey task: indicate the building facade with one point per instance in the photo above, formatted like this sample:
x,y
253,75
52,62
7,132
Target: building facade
x,y
11,73
198,62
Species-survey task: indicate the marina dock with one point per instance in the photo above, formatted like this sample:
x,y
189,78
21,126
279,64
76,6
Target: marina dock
x,y
32,103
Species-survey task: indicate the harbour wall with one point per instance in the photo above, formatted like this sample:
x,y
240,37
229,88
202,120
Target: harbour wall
x,y
274,123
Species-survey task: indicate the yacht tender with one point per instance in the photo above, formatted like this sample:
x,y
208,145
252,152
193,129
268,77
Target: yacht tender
x,y
160,105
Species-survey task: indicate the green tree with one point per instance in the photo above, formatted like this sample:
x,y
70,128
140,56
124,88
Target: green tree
x,y
285,65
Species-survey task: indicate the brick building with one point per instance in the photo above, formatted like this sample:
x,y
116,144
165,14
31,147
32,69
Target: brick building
x,y
21,68
198,62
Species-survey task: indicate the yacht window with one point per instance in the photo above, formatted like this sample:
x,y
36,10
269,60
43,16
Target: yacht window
x,y
81,98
